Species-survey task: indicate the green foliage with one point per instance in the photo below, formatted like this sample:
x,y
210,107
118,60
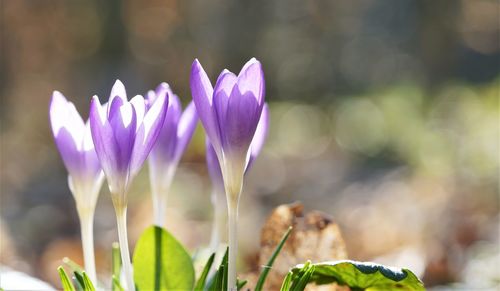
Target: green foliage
x,y
219,280
116,265
267,268
115,284
203,277
82,282
65,281
72,265
240,284
79,282
356,275
161,262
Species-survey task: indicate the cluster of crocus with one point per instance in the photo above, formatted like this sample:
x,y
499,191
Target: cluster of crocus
x,y
121,134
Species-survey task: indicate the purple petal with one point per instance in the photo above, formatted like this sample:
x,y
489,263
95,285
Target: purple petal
x,y
104,142
118,90
148,133
163,151
222,91
251,79
69,152
202,92
92,164
185,129
163,88
64,114
259,137
139,106
242,117
67,128
124,124
114,106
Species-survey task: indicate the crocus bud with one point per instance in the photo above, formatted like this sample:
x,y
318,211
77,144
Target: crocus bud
x,y
124,133
230,113
85,177
175,134
74,141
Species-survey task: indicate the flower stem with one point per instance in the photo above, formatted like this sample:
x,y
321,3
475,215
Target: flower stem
x,y
233,245
121,219
219,215
87,229
159,207
160,182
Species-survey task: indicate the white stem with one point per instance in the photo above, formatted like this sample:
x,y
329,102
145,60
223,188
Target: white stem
x,y
219,215
121,219
87,228
233,244
160,182
159,207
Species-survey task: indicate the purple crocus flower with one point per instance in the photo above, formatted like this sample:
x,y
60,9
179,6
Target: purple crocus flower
x,y
124,133
175,134
85,177
214,170
230,112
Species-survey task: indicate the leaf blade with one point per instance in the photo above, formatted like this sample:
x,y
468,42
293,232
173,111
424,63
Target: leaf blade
x,y
203,277
65,281
161,262
267,267
356,275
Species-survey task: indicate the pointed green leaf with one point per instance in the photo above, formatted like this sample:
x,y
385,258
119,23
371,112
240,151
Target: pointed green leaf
x,y
302,282
161,262
66,282
203,277
216,283
116,285
74,267
79,282
267,268
240,284
356,275
298,279
116,265
286,283
89,286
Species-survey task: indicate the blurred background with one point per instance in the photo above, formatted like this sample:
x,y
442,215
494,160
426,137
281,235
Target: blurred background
x,y
384,114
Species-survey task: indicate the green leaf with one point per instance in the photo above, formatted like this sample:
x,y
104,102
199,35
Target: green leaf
x,y
286,283
203,277
72,265
83,281
66,282
161,262
219,281
116,265
240,284
302,274
356,275
79,281
89,286
302,282
267,268
115,284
